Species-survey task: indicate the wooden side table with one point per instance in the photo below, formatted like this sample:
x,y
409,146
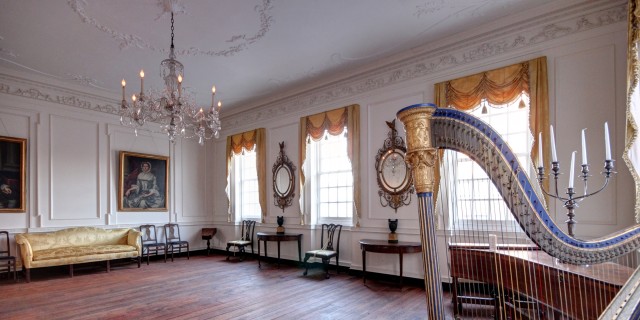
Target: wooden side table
x,y
383,246
207,234
272,236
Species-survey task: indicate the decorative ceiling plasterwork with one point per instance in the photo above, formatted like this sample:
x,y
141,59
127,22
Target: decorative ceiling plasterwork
x,y
237,42
430,62
464,52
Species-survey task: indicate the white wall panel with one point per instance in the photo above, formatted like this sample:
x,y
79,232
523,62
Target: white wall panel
x,y
75,180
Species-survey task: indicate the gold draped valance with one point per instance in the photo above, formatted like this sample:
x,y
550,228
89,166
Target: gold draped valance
x,y
498,87
333,122
501,86
250,140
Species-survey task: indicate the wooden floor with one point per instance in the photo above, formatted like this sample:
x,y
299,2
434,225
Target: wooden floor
x,y
205,288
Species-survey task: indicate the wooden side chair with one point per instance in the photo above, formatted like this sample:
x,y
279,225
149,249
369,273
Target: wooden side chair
x,y
6,257
248,226
330,248
150,242
173,240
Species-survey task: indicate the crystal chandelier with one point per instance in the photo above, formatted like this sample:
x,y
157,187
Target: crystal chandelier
x,y
173,108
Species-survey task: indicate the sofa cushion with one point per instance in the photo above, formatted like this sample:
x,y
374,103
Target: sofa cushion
x,y
67,252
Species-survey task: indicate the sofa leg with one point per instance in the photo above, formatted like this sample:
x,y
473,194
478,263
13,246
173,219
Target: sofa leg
x,y
71,270
27,274
108,266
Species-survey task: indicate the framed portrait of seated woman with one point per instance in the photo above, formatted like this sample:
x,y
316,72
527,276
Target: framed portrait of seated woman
x,y
13,156
143,182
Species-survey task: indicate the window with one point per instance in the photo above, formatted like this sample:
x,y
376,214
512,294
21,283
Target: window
x,y
332,186
330,167
246,197
476,202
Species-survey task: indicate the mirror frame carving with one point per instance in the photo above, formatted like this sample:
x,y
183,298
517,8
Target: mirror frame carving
x,y
283,200
393,197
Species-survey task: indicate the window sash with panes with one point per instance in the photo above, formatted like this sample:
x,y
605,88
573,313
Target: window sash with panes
x,y
247,201
476,202
332,192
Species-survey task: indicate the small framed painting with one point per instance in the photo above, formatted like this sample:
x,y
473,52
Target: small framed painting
x,y
13,177
143,182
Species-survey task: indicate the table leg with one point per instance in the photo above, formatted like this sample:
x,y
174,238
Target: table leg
x,y
208,247
266,255
278,253
364,266
259,266
400,269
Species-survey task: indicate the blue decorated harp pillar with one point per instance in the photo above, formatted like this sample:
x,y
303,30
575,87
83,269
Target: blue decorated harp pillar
x,y
421,156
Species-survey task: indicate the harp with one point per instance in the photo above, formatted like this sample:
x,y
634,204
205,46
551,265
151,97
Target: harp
x,y
551,275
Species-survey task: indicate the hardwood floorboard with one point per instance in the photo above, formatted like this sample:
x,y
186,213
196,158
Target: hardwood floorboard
x,y
205,287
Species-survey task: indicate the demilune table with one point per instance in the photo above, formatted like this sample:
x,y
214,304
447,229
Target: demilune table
x,y
384,246
272,236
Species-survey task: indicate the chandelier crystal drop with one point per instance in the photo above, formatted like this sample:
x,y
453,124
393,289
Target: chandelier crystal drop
x,y
173,108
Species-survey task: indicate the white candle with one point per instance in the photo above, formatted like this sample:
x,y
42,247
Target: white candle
x,y
540,160
124,83
571,168
584,147
141,81
179,85
554,156
219,105
607,145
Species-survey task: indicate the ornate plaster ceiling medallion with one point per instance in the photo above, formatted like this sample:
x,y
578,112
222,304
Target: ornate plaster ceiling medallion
x,y
237,42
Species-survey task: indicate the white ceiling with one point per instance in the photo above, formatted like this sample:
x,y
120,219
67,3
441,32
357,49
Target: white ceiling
x,y
249,49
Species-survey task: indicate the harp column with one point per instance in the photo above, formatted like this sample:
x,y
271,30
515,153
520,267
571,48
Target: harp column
x,y
421,156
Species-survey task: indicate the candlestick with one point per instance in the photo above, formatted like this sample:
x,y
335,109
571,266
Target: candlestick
x,y
179,85
584,147
607,145
540,158
554,156
219,105
571,169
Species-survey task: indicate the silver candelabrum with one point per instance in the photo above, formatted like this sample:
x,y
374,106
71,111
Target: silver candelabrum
x,y
571,200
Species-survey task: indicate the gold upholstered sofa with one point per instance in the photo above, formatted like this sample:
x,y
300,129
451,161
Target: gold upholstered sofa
x,y
77,245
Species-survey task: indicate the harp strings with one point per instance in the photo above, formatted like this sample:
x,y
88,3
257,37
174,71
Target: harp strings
x,y
466,224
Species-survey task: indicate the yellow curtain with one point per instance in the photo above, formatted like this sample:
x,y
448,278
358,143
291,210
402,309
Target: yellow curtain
x,y
248,140
333,122
631,155
501,86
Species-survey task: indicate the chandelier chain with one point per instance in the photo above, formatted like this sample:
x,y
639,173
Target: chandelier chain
x,y
172,29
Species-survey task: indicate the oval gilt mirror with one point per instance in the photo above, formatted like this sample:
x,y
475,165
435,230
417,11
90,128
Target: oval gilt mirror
x,y
392,172
283,180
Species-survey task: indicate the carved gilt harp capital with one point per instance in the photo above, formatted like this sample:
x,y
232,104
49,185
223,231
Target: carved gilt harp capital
x,y
421,155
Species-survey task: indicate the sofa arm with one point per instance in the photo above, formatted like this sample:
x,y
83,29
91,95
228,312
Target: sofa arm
x,y
133,239
25,250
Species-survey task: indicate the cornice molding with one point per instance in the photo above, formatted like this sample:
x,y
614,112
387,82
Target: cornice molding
x,y
490,44
515,37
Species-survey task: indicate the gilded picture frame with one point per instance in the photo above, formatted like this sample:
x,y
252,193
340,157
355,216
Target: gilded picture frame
x,y
13,175
143,183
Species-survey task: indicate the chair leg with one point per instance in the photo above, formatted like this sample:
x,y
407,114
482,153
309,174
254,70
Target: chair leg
x,y
337,264
187,251
165,254
139,261
325,262
306,265
228,253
